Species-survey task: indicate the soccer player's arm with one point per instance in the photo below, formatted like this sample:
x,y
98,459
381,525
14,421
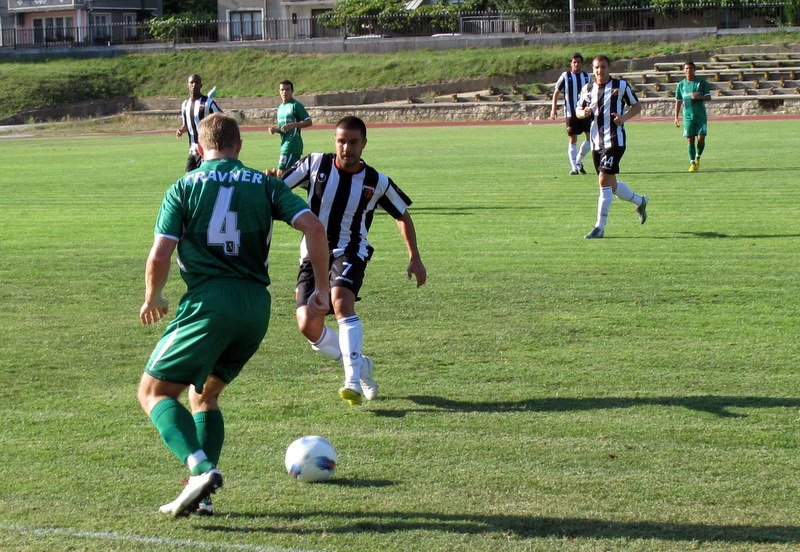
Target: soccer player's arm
x,y
415,266
678,104
582,108
556,94
634,107
179,132
319,256
155,306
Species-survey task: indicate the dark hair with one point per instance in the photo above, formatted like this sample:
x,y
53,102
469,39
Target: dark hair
x,y
195,77
576,55
287,83
351,122
690,64
602,58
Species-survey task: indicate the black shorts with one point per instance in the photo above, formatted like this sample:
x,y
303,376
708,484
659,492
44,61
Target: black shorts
x,y
577,126
607,160
193,161
346,271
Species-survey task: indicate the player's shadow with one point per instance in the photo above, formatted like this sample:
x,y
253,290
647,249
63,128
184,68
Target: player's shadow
x,y
712,404
474,210
715,235
519,526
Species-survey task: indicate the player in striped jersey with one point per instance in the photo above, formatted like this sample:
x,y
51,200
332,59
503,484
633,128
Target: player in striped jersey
x,y
609,103
343,191
570,84
193,110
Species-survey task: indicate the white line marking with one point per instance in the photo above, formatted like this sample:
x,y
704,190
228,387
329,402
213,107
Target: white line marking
x,y
140,539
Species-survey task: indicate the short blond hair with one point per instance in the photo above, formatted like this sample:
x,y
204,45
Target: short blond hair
x,y
219,132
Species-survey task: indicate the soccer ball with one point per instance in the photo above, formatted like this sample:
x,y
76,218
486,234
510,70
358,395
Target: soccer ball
x,y
310,459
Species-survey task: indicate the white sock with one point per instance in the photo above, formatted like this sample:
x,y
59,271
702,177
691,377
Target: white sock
x,y
625,193
584,150
604,206
350,343
195,458
572,153
328,344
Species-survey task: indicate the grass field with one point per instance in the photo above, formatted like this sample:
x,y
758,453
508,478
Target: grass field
x,y
542,392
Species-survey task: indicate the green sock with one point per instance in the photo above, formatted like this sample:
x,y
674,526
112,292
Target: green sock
x,y
692,152
700,147
210,433
176,427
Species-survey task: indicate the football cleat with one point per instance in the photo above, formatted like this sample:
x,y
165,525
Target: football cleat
x,y
581,169
697,163
573,172
369,387
641,210
693,167
205,507
351,396
595,233
197,488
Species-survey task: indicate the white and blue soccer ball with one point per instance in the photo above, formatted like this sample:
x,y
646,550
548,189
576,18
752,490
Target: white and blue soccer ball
x,y
310,459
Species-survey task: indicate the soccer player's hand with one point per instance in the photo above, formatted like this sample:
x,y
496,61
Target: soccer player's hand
x,y
271,129
319,303
152,312
178,133
618,120
676,122
416,268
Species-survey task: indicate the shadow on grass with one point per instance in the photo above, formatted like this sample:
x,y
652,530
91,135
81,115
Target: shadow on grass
x,y
704,235
506,526
712,404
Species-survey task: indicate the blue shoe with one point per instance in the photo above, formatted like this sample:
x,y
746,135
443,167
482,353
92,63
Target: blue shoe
x,y
594,234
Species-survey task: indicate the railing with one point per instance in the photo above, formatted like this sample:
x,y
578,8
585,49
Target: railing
x,y
411,24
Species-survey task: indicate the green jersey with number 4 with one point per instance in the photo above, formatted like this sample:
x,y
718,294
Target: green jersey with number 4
x,y
222,215
693,110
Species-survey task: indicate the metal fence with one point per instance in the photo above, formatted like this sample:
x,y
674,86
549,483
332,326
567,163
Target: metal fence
x,y
254,28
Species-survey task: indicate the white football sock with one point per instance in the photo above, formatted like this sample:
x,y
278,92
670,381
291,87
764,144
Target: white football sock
x,y
584,150
350,343
572,153
328,344
625,193
604,206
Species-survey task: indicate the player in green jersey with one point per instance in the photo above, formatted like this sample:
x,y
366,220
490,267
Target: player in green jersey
x,y
219,217
691,94
292,116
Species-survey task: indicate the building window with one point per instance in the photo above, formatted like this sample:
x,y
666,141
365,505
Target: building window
x,y
101,27
129,19
246,26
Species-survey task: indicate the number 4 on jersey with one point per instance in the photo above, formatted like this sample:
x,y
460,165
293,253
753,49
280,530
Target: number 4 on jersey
x,y
222,228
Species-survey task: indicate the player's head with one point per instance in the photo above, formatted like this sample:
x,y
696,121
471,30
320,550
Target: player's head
x,y
219,132
576,62
689,69
350,138
195,84
286,90
601,68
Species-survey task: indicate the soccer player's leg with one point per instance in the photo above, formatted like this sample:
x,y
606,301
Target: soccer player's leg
x,y
702,130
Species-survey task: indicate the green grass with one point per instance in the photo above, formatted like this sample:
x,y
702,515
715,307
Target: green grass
x,y
541,392
35,84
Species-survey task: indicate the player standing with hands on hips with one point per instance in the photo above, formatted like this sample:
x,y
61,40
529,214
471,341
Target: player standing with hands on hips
x,y
692,93
220,219
344,192
292,116
610,103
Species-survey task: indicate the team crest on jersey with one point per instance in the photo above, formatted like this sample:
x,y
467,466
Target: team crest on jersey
x,y
368,192
322,177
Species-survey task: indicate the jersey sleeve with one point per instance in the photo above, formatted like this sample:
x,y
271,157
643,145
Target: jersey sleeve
x,y
394,201
286,205
169,222
299,174
705,88
561,81
584,99
630,94
300,112
213,107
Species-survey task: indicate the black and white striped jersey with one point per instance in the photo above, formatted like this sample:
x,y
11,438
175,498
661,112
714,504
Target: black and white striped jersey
x,y
192,112
345,202
570,84
605,99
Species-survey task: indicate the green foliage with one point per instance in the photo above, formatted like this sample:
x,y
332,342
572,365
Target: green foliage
x,y
168,27
389,17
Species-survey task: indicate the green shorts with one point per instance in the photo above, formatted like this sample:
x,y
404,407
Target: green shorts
x,y
218,326
288,158
694,128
